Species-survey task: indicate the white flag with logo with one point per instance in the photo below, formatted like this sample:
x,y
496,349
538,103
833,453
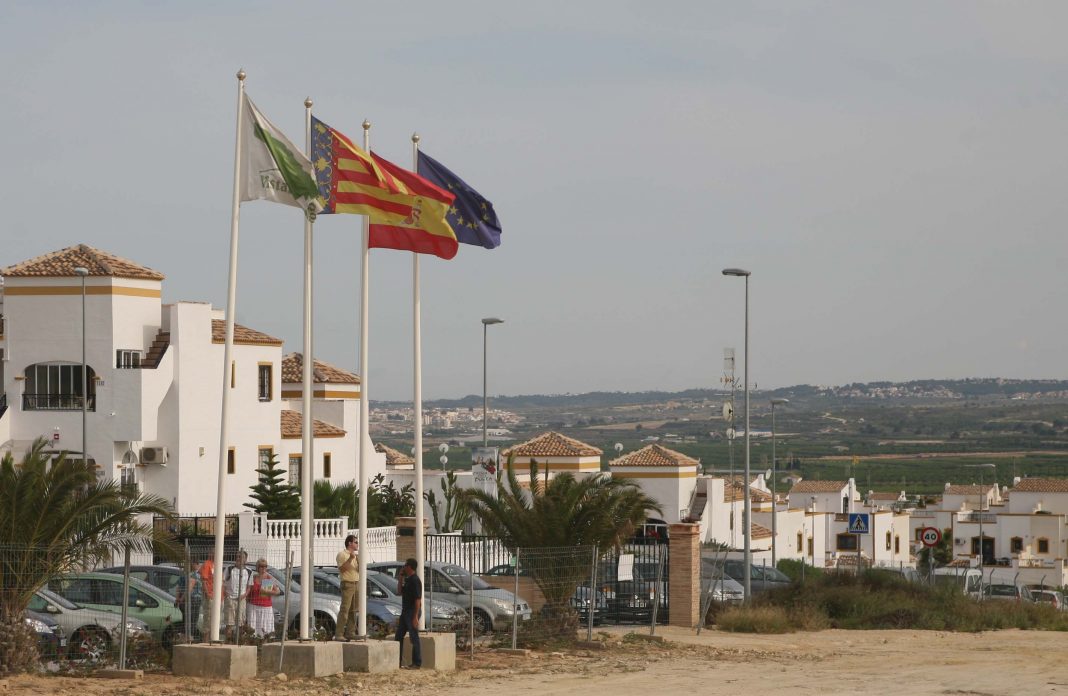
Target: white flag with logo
x,y
273,168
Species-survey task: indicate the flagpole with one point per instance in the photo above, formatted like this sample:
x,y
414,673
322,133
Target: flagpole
x,y
417,399
228,351
307,457
365,405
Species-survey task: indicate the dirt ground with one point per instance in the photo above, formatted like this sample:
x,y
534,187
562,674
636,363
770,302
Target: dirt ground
x,y
919,663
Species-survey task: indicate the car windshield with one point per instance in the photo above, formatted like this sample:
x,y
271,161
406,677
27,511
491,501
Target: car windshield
x,y
463,578
52,598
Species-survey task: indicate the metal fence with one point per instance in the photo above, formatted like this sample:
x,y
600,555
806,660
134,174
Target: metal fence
x,y
634,579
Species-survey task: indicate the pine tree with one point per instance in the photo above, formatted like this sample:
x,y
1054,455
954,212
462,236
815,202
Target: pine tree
x,y
274,497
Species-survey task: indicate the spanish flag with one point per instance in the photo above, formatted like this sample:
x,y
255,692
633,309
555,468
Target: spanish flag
x,y
406,211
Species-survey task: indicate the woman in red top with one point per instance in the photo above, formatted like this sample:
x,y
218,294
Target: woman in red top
x,y
262,588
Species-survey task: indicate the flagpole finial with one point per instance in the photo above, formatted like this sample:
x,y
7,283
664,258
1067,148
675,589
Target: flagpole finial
x,y
415,137
241,75
308,102
366,125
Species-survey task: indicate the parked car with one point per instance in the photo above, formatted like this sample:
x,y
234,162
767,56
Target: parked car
x,y
91,632
1052,597
580,600
325,604
442,615
50,638
103,592
165,577
631,601
1005,592
494,608
968,580
722,587
761,578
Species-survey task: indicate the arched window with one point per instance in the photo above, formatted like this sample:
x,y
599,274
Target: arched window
x,y
57,387
800,542
888,539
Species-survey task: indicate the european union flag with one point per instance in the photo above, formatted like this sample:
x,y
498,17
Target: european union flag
x,y
471,216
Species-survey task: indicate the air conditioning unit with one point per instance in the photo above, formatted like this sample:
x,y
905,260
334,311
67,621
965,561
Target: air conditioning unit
x,y
154,455
959,542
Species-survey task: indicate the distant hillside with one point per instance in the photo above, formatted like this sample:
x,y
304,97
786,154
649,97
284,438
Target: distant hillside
x,y
915,389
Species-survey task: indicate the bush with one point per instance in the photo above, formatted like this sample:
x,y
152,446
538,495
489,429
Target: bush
x,y
793,570
18,647
755,619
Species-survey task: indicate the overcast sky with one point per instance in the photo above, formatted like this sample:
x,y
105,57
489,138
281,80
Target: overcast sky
x,y
894,175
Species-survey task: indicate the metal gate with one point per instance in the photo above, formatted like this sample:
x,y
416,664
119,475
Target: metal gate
x,y
642,597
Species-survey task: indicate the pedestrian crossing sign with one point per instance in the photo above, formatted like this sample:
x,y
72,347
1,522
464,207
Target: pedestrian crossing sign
x,y
858,523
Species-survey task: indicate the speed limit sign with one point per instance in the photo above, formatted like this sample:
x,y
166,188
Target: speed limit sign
x,y
930,536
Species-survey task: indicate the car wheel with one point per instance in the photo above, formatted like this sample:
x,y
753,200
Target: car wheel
x,y
483,625
90,644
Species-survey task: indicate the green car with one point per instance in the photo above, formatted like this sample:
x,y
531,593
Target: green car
x,y
103,592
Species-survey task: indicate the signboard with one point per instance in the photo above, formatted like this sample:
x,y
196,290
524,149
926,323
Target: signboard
x,y
625,571
484,469
930,536
858,523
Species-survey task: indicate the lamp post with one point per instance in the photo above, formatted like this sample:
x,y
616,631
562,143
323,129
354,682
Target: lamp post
x,y
982,497
82,272
747,510
774,475
485,325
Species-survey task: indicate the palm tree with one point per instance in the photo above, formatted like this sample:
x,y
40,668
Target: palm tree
x,y
563,517
56,517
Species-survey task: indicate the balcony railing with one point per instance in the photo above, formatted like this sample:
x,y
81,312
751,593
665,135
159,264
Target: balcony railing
x,y
56,402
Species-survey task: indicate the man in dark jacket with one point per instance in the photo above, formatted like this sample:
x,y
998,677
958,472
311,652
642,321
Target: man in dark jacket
x,y
411,591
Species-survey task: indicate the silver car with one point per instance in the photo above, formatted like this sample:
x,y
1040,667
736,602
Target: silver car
x,y
494,608
325,605
91,632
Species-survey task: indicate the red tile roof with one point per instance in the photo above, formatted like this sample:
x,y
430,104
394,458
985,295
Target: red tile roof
x,y
394,457
293,424
552,444
61,264
655,455
322,372
1042,485
818,486
242,335
735,490
966,489
759,531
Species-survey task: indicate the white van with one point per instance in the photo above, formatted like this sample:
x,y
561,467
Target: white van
x,y
969,580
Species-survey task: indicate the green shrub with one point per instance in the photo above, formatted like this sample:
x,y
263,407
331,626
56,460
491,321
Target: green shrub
x,y
755,619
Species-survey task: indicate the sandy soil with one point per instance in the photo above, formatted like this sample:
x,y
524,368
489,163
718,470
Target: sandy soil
x,y
917,663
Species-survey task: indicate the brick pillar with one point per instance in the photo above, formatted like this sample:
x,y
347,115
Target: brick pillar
x,y
406,536
684,578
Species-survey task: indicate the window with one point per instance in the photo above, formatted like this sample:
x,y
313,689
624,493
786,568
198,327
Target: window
x,y
128,359
1016,545
266,380
897,543
1043,545
263,458
231,465
888,540
57,387
326,465
233,374
847,542
800,541
811,547
845,504
294,470
128,479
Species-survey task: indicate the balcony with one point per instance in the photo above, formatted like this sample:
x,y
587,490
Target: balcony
x,y
56,402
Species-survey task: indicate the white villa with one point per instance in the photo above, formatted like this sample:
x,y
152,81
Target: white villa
x,y
155,384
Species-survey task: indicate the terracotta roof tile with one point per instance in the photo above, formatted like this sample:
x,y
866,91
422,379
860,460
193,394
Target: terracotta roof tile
x,y
818,486
655,455
552,444
735,490
759,531
322,372
242,335
61,264
394,457
1042,485
293,424
966,489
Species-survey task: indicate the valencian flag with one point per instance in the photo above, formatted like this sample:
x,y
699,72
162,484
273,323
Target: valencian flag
x,y
471,216
273,168
406,211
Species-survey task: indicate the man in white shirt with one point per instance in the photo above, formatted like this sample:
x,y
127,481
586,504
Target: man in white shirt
x,y
235,590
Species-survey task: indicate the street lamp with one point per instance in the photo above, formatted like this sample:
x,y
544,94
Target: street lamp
x,y
82,272
774,475
747,511
982,497
485,323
